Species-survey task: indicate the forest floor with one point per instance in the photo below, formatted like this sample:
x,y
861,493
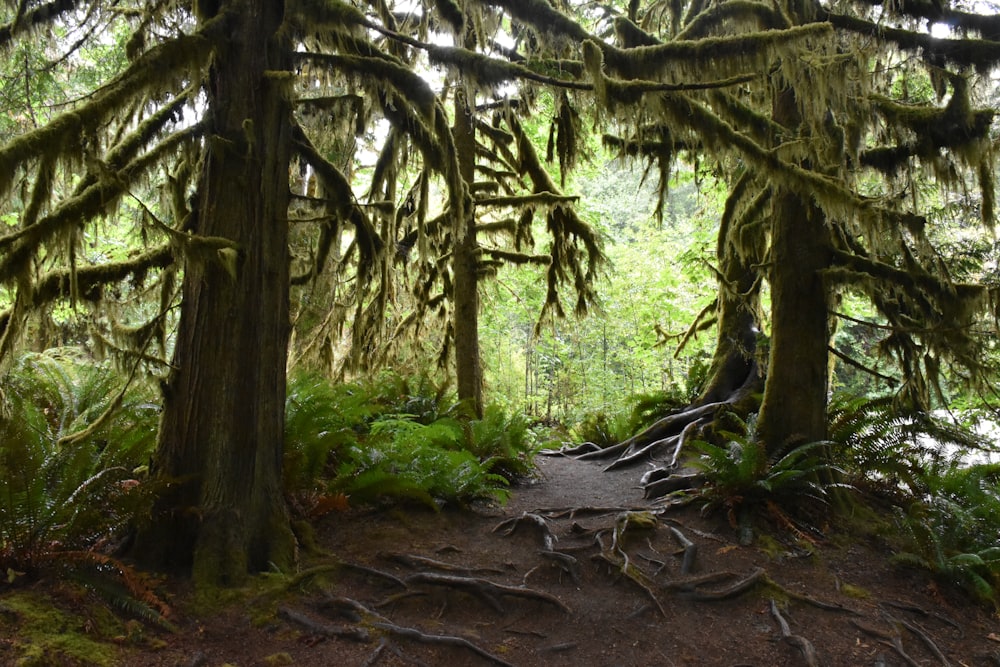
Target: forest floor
x,y
576,569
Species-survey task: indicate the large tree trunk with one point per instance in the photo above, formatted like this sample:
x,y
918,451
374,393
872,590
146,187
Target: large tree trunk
x,y
734,375
221,436
793,410
795,395
465,261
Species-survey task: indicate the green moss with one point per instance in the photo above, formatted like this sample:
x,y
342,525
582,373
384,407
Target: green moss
x,y
45,634
855,592
277,659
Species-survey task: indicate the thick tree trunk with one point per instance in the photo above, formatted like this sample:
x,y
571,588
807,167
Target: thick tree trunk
x,y
734,366
465,260
795,395
221,435
793,410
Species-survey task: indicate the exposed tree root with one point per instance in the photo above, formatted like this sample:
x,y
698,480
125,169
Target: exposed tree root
x,y
690,551
379,622
634,574
324,629
567,563
487,590
413,561
662,486
742,586
798,641
905,606
664,432
510,525
889,639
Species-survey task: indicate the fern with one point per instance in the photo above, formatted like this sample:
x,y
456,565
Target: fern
x,y
504,442
953,525
741,478
58,500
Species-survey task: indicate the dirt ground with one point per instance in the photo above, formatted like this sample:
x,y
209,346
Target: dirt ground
x,y
548,580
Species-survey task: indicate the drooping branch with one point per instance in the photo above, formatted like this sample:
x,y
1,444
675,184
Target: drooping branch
x,y
41,15
155,69
99,197
982,54
89,280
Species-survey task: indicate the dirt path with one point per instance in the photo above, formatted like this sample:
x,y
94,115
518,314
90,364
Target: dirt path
x,y
536,583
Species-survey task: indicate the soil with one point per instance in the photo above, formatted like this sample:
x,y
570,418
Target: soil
x,y
547,580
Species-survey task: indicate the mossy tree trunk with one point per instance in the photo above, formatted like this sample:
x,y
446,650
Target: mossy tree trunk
x,y
734,375
221,434
793,410
465,265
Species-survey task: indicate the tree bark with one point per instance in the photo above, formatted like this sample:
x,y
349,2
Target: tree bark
x,y
221,437
734,368
465,260
793,410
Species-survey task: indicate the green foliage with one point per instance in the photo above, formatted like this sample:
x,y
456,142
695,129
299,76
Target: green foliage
x,y
946,507
953,526
504,440
321,420
399,438
604,429
66,501
741,479
876,441
424,462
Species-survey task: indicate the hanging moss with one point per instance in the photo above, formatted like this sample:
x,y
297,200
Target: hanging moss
x,y
981,54
42,15
157,68
452,14
735,12
630,35
339,193
544,18
102,196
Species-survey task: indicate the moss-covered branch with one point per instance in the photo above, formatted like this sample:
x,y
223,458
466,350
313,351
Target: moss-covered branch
x,y
652,61
94,200
341,197
544,198
982,54
89,279
39,16
155,69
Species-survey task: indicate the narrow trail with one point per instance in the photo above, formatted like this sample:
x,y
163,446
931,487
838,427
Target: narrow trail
x,y
578,569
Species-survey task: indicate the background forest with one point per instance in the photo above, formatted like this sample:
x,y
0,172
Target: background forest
x,y
262,260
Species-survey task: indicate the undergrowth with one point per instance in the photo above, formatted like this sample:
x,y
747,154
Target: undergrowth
x,y
395,438
944,493
74,442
